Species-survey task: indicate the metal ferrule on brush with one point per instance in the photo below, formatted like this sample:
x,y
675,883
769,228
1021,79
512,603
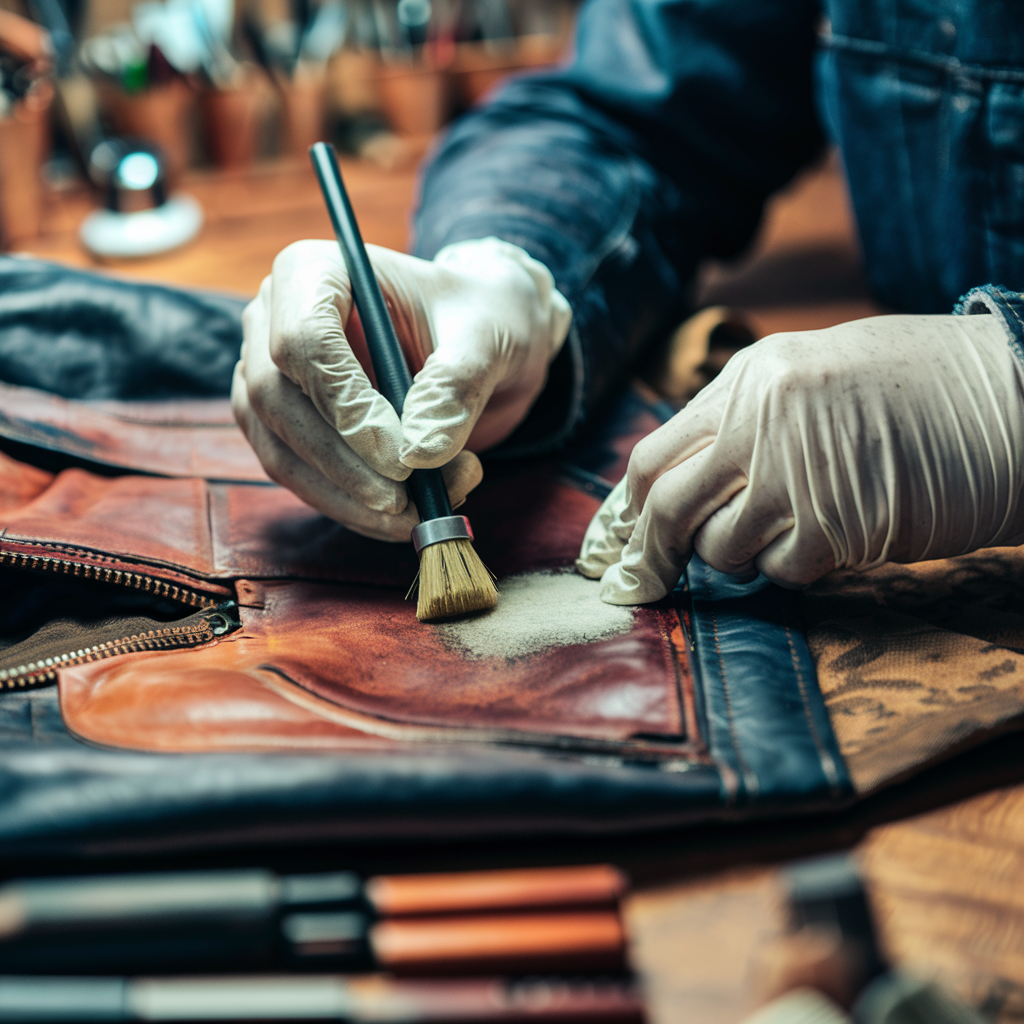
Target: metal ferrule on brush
x,y
434,531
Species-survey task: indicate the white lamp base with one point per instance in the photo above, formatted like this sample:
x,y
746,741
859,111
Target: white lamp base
x,y
145,233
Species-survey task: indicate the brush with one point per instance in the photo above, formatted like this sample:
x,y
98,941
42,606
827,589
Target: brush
x,y
452,579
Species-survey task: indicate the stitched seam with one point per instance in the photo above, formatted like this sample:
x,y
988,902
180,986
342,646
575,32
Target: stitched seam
x,y
1008,305
748,776
950,65
828,764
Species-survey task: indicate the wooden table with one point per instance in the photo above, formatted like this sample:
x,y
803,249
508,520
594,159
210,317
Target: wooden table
x,y
945,866
250,217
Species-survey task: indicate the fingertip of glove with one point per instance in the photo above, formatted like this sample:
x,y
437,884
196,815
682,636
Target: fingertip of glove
x,y
622,587
590,568
427,456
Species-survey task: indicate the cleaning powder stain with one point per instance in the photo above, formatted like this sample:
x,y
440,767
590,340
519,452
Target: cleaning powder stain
x,y
538,610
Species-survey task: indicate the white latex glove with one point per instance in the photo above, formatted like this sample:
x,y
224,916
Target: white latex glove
x,y
482,319
895,438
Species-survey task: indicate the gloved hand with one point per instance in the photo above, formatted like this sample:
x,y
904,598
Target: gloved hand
x,y
895,438
482,319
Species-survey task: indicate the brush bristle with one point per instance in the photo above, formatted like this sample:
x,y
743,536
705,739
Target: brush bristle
x,y
453,581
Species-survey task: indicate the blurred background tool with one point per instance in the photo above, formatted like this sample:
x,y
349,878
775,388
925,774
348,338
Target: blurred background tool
x,y
25,97
231,85
372,999
140,218
472,922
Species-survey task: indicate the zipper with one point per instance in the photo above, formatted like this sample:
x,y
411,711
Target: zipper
x,y
212,624
105,574
218,618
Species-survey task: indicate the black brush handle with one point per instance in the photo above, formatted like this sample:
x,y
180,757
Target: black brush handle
x,y
426,486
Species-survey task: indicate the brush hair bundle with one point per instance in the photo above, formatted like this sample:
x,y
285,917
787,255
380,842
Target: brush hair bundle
x,y
453,581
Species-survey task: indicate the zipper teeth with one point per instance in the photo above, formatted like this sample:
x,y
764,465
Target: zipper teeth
x,y
44,671
104,574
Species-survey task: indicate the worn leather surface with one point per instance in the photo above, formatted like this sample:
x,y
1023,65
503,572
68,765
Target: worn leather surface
x,y
379,725
355,655
352,656
319,665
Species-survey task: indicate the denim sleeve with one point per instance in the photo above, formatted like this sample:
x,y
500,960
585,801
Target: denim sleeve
x,y
657,146
1001,302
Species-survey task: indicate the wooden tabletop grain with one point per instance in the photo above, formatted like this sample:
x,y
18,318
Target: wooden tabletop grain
x,y
945,861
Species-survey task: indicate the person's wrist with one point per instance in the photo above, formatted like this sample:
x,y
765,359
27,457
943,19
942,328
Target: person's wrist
x,y
491,258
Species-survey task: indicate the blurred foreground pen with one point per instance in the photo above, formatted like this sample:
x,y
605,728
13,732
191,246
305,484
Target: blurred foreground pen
x,y
452,579
356,999
537,919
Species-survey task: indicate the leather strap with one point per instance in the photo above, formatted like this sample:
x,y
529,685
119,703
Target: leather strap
x,y
764,718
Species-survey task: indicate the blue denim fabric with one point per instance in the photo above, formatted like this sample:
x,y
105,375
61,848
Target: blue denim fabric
x,y
1001,302
661,141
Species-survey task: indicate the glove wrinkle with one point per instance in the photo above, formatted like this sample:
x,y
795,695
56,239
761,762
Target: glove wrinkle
x,y
480,325
886,439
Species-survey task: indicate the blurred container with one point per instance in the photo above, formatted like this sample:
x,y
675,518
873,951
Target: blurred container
x,y
161,114
303,100
231,122
479,67
24,146
414,97
352,82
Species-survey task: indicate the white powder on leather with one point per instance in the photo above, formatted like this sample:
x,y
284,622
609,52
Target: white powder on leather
x,y
538,610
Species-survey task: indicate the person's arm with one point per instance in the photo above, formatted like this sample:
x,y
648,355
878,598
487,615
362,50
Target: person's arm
x,y
655,148
604,183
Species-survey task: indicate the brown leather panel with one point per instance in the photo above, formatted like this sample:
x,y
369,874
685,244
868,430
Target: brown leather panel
x,y
20,483
269,533
358,664
365,650
136,517
193,701
524,521
196,438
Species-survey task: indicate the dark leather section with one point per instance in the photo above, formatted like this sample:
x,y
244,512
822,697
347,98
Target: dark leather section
x,y
91,336
765,720
93,803
63,798
183,438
